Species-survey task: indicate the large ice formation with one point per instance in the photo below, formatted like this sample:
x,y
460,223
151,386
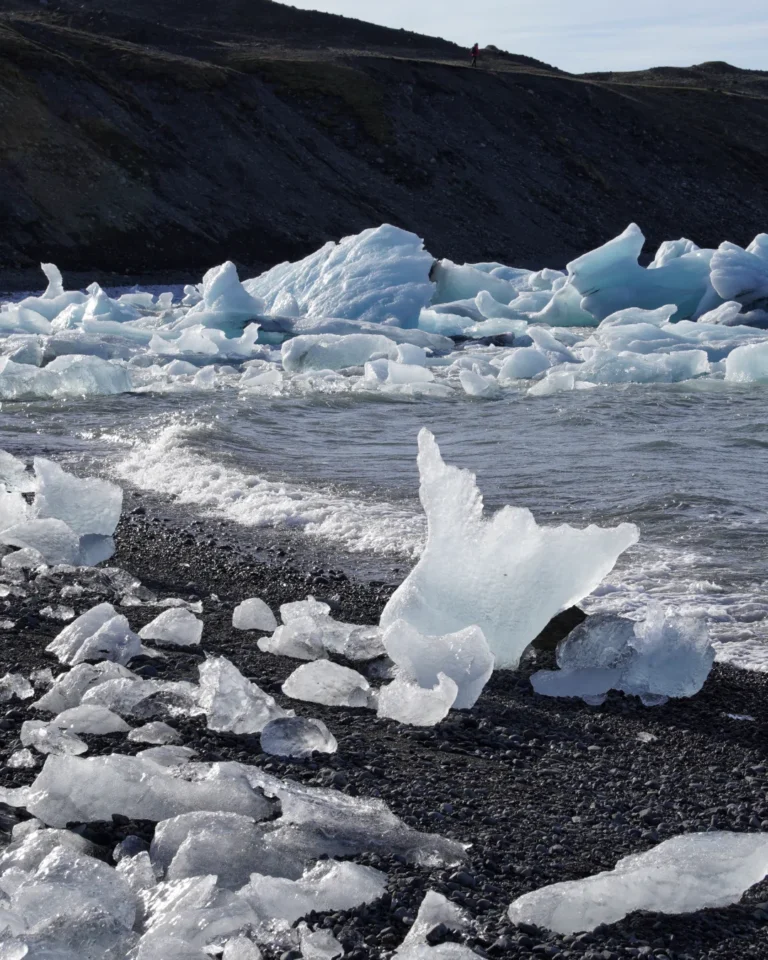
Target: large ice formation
x,y
662,656
681,875
505,574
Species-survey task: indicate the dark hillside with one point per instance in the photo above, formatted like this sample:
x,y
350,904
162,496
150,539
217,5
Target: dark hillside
x,y
256,131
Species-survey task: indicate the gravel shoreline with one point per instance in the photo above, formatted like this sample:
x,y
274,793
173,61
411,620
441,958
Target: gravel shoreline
x,y
543,790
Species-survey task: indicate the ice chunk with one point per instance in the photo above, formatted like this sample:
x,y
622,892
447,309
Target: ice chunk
x,y
564,310
21,759
15,685
68,688
241,948
462,656
740,275
434,911
85,505
253,614
225,305
168,755
48,738
610,279
176,627
663,656
156,732
297,737
681,875
465,281
329,885
304,608
407,702
90,718
318,944
506,574
329,683
232,703
53,539
331,352
142,697
76,789
748,364
14,474
475,384
65,376
301,638
137,872
98,634
380,274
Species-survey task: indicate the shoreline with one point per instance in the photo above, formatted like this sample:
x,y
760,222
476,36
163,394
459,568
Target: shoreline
x,y
543,789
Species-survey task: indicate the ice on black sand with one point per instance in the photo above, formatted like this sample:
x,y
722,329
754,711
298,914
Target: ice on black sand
x,y
297,737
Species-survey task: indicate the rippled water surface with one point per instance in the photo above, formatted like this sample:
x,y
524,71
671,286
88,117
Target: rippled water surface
x,y
686,463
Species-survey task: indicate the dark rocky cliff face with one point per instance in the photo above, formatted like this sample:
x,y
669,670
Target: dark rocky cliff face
x,y
132,147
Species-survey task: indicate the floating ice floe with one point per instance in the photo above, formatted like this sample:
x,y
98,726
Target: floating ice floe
x,y
660,657
681,875
506,575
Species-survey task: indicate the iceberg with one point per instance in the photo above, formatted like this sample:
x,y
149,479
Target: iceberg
x,y
379,275
328,683
610,279
741,275
681,875
506,575
463,656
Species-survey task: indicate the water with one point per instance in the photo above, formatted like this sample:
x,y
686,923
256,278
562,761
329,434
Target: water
x,y
685,462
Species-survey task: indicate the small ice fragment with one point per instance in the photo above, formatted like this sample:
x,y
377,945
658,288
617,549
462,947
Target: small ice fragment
x,y
241,948
14,685
253,614
740,716
434,910
297,737
57,613
175,627
304,608
407,702
137,872
41,678
48,738
682,875
231,702
90,718
462,656
21,759
329,683
156,732
318,944
645,737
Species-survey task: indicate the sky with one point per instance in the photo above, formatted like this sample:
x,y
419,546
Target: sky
x,y
584,35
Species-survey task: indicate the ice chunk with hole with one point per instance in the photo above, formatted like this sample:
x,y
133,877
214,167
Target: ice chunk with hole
x,y
610,279
463,656
379,275
328,683
297,737
505,574
69,688
176,627
75,789
408,702
328,885
682,875
90,718
232,703
663,656
49,738
98,634
86,505
253,614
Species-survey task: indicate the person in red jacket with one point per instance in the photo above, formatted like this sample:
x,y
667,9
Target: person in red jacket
x,y
475,54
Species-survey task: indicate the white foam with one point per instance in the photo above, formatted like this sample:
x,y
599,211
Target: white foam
x,y
167,465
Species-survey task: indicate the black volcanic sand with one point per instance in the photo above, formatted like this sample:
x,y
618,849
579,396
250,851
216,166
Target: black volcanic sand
x,y
543,790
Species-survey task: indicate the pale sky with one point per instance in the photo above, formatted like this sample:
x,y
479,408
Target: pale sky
x,y
587,35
